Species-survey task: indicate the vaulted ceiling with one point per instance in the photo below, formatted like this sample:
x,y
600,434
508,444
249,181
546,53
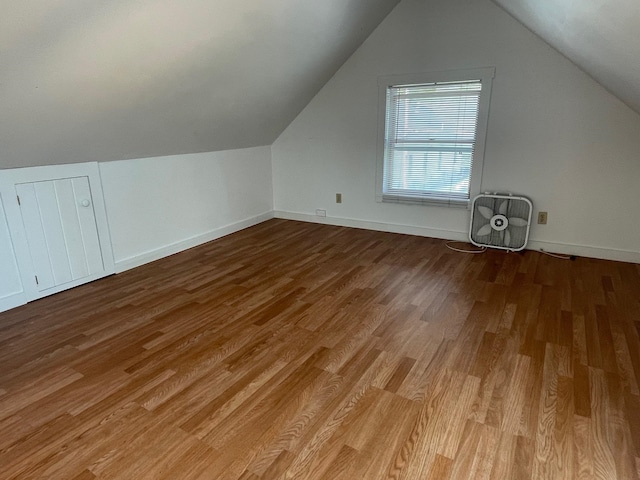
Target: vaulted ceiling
x,y
83,80
600,36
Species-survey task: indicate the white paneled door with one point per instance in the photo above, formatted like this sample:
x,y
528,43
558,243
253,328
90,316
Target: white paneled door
x,y
60,226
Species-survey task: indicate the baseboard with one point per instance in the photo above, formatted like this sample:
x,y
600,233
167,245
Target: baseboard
x,y
12,301
586,251
157,254
379,226
563,248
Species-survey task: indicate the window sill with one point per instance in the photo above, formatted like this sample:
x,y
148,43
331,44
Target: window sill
x,y
429,201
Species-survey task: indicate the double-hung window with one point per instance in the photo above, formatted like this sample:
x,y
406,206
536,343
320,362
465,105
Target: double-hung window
x,y
432,130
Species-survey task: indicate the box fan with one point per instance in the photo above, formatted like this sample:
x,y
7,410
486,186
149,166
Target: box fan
x,y
500,221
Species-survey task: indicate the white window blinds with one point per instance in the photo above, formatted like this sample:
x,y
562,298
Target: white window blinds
x,y
430,136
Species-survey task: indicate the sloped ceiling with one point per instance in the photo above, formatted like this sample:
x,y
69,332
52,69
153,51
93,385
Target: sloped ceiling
x,y
600,36
85,80
82,80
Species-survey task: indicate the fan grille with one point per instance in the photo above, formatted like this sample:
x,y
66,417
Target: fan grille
x,y
517,207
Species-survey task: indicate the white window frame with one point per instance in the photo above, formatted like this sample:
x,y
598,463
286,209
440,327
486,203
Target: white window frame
x,y
485,75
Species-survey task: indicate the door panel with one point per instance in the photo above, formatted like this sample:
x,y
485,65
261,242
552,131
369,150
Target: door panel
x,y
61,230
35,235
53,233
71,228
87,221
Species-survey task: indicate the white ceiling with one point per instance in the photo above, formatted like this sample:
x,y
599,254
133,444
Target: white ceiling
x,y
600,36
86,80
82,80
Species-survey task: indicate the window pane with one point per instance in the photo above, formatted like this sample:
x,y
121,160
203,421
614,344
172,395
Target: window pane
x,y
433,172
442,119
430,138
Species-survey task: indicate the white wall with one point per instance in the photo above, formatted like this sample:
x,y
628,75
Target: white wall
x,y
554,134
159,206
11,293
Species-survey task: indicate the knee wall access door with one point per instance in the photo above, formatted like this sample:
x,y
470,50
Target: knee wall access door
x,y
60,226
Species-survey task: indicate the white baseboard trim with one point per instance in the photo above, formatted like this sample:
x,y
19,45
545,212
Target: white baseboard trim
x,y
585,251
379,226
12,301
563,248
150,256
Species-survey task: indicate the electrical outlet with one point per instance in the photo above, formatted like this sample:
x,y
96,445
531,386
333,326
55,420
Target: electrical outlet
x,y
321,213
542,218
338,198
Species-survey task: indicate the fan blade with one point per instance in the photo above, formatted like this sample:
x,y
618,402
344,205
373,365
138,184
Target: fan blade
x,y
504,207
507,238
517,222
486,212
484,230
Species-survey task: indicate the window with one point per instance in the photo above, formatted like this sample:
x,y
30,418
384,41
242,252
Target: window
x,y
431,138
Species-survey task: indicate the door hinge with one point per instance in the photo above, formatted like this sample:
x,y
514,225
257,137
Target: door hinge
x,y
18,197
37,283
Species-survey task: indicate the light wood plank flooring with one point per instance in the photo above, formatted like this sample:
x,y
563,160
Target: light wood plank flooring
x,y
303,351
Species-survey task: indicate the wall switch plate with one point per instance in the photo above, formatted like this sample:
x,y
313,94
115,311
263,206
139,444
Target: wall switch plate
x,y
338,198
321,213
542,218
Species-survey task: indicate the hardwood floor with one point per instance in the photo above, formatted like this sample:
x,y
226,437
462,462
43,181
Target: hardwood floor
x,y
304,351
